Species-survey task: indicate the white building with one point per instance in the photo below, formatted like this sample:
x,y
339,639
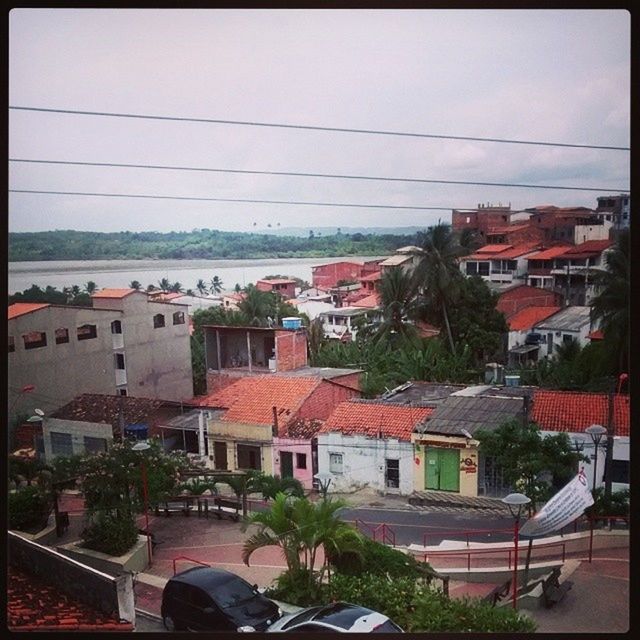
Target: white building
x,y
571,323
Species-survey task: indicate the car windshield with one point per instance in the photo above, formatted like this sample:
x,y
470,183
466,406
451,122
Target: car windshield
x,y
233,593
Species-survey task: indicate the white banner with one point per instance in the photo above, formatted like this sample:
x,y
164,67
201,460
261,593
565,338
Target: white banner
x,y
569,503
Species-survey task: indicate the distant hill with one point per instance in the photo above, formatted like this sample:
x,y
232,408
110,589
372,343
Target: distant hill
x,y
303,232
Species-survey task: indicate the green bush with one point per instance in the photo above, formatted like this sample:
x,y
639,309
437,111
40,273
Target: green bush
x,y
293,587
434,612
111,534
616,505
29,509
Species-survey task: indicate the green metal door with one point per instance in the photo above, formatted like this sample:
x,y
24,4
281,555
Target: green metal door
x,y
286,464
443,469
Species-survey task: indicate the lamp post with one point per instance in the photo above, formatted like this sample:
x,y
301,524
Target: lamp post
x,y
324,480
144,446
596,432
515,502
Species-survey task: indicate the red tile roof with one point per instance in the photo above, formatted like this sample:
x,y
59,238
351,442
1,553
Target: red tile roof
x,y
598,334
18,309
251,400
278,281
527,317
550,253
507,228
574,411
372,418
35,605
371,301
494,248
502,251
113,293
590,246
517,251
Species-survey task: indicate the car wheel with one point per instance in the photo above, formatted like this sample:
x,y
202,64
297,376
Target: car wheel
x,y
170,624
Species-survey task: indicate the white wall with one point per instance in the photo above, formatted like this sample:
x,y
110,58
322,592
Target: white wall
x,y
364,462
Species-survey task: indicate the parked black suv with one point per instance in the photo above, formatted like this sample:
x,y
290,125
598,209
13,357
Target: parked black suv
x,y
207,599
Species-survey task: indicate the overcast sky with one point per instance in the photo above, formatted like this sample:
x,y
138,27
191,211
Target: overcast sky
x,y
554,75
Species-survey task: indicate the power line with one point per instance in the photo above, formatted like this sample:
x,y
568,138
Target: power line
x,y
311,175
246,200
250,123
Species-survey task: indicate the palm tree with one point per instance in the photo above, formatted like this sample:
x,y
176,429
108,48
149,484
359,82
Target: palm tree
x,y
176,287
75,291
437,274
237,288
315,339
151,287
468,242
164,284
397,295
611,305
189,292
134,284
201,287
300,528
90,287
216,284
256,306
67,292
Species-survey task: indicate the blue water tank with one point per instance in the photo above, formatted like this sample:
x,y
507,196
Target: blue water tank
x,y
291,323
136,431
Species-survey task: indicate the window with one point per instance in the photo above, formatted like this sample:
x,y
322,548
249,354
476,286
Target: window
x,y
119,360
178,317
566,338
301,460
472,268
61,444
94,445
12,344
158,321
620,471
335,462
116,326
392,474
512,265
87,332
249,457
62,336
122,392
35,340
483,268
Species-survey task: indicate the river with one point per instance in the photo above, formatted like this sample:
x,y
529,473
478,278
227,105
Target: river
x,y
119,273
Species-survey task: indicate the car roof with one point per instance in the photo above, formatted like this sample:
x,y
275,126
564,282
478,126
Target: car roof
x,y
341,614
205,577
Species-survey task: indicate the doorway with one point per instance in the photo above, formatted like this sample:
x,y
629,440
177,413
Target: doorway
x,y
442,469
392,474
286,464
220,455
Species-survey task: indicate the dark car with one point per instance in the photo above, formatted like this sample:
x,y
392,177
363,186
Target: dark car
x,y
206,599
337,617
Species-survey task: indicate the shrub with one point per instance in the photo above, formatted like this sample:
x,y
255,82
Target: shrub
x,y
617,505
29,509
434,612
111,534
293,586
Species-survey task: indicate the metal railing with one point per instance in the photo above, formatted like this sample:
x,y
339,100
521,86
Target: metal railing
x,y
204,564
387,534
467,533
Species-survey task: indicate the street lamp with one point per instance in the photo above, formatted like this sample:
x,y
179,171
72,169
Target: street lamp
x,y
596,432
515,502
324,480
144,446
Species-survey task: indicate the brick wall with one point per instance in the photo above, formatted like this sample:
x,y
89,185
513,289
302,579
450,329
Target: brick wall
x,y
328,275
459,220
217,381
350,380
518,298
325,398
291,350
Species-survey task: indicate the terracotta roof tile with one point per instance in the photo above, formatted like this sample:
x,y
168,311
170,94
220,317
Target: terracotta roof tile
x,y
251,400
35,605
372,418
529,316
575,411
550,253
113,293
18,309
370,302
494,248
598,334
277,281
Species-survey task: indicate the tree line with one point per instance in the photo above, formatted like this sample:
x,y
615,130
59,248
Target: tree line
x,y
196,244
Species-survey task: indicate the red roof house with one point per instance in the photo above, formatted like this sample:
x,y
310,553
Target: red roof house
x,y
526,318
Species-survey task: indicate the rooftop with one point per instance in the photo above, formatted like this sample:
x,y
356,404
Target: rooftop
x,y
114,293
277,280
18,309
568,319
395,260
345,311
550,253
416,392
525,318
375,419
370,302
574,411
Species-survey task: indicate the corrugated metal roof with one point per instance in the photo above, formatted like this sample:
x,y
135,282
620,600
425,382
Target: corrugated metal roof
x,y
569,319
395,260
472,413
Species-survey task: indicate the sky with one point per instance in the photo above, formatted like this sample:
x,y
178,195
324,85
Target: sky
x,y
537,75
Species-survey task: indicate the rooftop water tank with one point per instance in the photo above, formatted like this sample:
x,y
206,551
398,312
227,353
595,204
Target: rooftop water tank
x,y
512,381
291,323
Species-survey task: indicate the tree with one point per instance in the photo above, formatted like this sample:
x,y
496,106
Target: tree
x,y
164,284
300,527
525,457
216,284
201,287
437,276
134,284
611,305
397,294
176,287
90,287
316,339
257,306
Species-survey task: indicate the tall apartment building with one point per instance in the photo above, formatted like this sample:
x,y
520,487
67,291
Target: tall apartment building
x,y
616,209
124,344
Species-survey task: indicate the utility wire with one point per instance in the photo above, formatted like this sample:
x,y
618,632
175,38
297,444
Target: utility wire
x,y
248,200
311,175
316,128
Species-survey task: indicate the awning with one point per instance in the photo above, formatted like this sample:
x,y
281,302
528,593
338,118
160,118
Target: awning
x,y
525,348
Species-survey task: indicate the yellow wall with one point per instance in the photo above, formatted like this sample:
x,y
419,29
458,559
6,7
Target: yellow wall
x,y
235,433
468,461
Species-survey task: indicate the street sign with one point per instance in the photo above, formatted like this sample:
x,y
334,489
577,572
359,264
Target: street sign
x,y
568,504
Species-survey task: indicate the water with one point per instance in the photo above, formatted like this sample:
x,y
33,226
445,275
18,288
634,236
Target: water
x,y
119,273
